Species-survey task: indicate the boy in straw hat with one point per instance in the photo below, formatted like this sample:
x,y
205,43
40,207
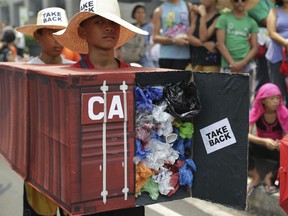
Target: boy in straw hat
x,y
96,31
233,31
49,20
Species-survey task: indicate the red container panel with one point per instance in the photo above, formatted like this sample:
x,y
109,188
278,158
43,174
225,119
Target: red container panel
x,y
66,160
14,117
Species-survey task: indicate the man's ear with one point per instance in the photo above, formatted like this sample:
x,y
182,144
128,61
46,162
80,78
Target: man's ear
x,y
36,36
81,32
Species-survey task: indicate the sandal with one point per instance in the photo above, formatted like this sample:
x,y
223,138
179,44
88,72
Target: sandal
x,y
251,188
271,189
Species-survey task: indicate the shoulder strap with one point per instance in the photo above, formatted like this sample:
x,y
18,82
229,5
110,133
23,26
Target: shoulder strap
x,y
216,15
4,53
83,64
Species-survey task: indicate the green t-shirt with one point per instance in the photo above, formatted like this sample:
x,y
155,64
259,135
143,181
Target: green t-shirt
x,y
261,10
237,35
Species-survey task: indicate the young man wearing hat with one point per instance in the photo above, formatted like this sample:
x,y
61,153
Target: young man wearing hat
x,y
97,30
97,39
49,20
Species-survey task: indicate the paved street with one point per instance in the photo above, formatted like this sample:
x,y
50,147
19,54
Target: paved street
x,y
11,188
11,191
191,207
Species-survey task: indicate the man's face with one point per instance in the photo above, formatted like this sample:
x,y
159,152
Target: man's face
x,y
47,42
239,5
100,32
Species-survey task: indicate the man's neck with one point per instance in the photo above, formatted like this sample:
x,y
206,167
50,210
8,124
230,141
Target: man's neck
x,y
103,59
239,14
173,1
48,59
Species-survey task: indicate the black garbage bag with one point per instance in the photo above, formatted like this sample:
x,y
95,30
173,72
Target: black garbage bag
x,y
183,100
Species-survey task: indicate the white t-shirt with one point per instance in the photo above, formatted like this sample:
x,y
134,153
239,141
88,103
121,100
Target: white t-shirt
x,y
37,60
20,40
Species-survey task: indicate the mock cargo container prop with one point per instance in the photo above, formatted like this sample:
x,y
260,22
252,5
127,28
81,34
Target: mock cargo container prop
x,y
82,142
80,137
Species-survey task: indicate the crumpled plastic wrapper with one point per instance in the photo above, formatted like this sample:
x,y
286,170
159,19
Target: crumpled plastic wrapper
x,y
163,180
159,154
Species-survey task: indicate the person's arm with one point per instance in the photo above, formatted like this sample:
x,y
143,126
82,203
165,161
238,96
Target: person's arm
x,y
194,41
158,38
267,142
272,28
204,32
220,33
264,22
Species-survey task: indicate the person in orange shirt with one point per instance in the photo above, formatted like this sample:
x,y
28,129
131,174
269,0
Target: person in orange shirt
x,y
71,55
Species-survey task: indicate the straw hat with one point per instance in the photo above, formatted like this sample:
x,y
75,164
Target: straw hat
x,y
227,4
108,9
52,18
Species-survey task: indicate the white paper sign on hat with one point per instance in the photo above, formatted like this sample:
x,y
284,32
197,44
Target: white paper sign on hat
x,y
52,18
98,6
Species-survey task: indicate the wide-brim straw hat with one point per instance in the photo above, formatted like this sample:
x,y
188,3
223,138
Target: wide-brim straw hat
x,y
108,9
52,18
221,4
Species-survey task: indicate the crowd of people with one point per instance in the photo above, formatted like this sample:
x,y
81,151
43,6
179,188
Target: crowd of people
x,y
229,36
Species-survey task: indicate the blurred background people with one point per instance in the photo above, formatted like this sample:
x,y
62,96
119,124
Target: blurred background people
x,y
270,118
202,37
8,51
260,13
237,38
139,14
277,27
20,43
171,21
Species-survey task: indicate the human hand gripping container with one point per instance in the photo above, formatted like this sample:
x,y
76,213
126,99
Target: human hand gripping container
x,y
101,140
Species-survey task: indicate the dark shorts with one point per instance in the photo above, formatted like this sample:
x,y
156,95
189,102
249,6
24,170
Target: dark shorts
x,y
259,152
179,64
